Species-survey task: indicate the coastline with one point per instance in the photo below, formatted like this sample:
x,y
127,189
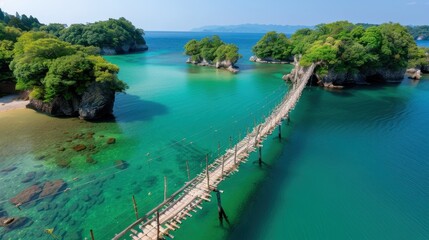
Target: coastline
x,y
12,102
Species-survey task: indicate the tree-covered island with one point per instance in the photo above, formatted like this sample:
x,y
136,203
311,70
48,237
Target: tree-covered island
x,y
347,53
212,52
61,68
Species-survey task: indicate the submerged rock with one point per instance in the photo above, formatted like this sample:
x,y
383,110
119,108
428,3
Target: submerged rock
x,y
8,169
111,140
63,163
51,188
27,195
29,177
79,147
121,164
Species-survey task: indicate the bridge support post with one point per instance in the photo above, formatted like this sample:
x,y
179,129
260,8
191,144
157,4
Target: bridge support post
x,y
135,208
260,156
157,225
220,210
92,234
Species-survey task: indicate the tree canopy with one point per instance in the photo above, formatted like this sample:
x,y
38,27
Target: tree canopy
x,y
273,46
211,50
112,33
50,67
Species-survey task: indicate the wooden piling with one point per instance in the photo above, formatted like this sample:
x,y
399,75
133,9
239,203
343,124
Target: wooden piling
x,y
135,208
221,212
165,188
92,234
260,156
157,225
280,131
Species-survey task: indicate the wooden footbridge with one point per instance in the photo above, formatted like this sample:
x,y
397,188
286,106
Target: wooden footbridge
x,y
166,217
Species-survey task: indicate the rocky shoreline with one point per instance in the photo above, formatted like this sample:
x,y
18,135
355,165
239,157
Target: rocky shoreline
x,y
266,60
227,65
96,103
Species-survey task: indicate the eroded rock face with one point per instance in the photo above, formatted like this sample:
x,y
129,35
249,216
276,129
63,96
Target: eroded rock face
x,y
228,65
95,103
58,107
414,73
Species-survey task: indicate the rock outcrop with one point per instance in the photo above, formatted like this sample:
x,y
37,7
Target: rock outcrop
x,y
336,79
269,60
95,103
228,65
414,73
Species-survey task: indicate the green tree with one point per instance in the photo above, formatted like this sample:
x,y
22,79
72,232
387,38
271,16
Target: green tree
x,y
273,46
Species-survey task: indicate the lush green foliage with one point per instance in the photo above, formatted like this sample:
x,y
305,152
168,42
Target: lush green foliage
x,y
273,46
211,50
8,36
51,67
19,21
345,47
112,33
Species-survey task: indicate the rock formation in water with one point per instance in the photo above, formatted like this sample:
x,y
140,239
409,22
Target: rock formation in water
x,y
335,79
95,103
414,73
228,65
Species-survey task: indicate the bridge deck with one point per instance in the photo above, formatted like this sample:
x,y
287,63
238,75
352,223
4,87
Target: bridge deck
x,y
190,197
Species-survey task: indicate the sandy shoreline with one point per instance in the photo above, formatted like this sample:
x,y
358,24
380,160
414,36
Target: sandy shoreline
x,y
9,102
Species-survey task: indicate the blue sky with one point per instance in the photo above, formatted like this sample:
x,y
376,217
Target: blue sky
x,y
186,14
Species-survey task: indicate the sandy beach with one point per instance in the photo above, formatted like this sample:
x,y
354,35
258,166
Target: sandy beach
x,y
8,103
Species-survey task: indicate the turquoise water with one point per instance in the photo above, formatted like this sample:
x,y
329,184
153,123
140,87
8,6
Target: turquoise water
x,y
353,163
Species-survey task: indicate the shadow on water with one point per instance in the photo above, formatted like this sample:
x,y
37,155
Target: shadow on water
x,y
131,108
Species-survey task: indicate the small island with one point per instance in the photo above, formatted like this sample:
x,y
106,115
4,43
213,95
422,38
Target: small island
x,y
59,68
212,52
346,53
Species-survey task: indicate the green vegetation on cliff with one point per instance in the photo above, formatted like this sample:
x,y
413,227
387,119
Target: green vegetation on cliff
x,y
343,47
50,67
211,50
273,46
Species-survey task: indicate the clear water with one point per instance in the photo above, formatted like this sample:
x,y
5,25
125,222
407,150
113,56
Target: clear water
x,y
353,163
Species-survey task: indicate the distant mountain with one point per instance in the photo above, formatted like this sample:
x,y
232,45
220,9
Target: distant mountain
x,y
251,28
